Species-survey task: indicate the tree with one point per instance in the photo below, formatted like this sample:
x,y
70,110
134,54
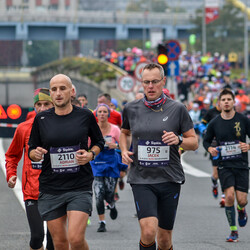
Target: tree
x,y
133,6
225,34
41,52
159,5
124,44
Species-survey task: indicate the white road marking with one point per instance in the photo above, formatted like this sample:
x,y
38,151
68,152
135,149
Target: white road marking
x,y
188,169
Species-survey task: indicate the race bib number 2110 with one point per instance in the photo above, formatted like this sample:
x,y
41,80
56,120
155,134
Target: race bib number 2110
x,y
63,159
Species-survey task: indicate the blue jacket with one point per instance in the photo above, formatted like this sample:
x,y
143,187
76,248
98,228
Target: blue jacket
x,y
108,163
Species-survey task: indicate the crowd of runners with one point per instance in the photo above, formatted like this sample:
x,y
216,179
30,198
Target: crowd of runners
x,y
72,151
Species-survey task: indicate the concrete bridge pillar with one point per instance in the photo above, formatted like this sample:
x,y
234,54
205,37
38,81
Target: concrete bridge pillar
x,y
21,31
72,31
171,32
121,32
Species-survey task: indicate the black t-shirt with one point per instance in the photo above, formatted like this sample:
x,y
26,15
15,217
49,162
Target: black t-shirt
x,y
211,113
203,113
229,131
65,131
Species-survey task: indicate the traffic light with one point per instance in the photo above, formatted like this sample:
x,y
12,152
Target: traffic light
x,y
14,111
162,57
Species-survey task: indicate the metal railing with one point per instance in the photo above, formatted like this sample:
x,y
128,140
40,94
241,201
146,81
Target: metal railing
x,y
105,17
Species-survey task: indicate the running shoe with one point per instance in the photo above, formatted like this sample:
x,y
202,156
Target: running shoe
x,y
214,181
215,192
102,227
121,184
233,237
116,197
222,202
106,205
113,212
242,217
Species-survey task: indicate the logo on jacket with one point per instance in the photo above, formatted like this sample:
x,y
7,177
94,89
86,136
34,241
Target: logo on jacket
x,y
165,118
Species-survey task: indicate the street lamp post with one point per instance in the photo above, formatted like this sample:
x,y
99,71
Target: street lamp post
x,y
204,31
246,56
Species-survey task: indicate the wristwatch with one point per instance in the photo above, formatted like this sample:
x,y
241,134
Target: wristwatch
x,y
94,154
180,140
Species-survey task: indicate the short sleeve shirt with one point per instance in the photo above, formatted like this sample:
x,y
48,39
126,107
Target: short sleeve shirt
x,y
145,124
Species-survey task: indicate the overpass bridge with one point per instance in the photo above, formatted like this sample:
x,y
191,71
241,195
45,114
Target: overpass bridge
x,y
25,24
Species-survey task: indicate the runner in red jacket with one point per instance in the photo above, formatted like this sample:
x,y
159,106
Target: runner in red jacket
x,y
31,171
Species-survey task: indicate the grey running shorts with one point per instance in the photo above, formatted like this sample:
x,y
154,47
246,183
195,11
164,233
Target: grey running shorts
x,y
52,206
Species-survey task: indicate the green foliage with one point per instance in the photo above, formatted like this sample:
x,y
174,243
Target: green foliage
x,y
124,44
41,52
132,6
224,34
96,71
159,5
149,5
93,69
236,73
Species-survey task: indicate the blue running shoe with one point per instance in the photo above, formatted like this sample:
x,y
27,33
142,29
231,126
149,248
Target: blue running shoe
x,y
242,217
233,237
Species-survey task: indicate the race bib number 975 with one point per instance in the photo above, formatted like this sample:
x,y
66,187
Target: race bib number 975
x,y
153,153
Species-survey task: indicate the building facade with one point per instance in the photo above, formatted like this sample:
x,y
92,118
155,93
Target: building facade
x,y
189,6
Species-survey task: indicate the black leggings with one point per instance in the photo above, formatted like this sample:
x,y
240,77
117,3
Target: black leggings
x,y
36,226
104,188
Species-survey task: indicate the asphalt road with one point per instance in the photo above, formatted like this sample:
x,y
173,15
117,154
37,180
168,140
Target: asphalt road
x,y
200,223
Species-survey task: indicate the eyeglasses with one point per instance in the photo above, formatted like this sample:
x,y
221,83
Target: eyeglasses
x,y
154,82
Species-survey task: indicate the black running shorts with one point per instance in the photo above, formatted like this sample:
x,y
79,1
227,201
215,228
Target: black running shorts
x,y
234,177
55,206
157,200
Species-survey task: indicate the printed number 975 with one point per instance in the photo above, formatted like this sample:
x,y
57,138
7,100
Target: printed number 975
x,y
153,150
